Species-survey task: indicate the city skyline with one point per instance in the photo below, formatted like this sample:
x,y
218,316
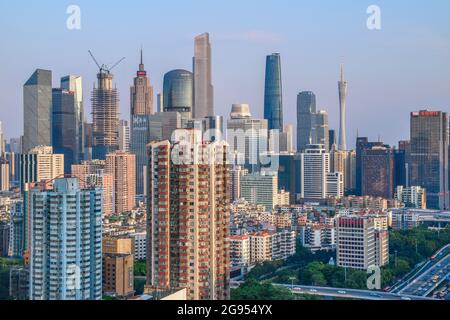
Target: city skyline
x,y
302,71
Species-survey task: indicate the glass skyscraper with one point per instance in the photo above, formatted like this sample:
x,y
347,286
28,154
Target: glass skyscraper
x,y
178,92
273,97
429,156
37,105
306,108
65,127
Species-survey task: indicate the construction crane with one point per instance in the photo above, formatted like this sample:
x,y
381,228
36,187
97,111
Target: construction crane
x,y
104,67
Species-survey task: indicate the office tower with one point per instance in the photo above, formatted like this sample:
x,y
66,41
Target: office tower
x,y
65,127
335,184
321,131
363,143
412,197
343,90
74,84
203,88
377,172
4,175
355,241
162,125
400,168
306,109
141,108
118,267
13,160
289,169
122,166
273,93
429,156
141,93
37,110
105,115
92,174
4,238
124,136
178,93
187,244
68,267
345,162
247,137
140,137
236,175
159,102
332,138
211,127
260,189
15,145
405,147
315,167
40,164
287,139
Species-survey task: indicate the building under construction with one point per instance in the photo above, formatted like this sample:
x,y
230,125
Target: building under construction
x,y
105,114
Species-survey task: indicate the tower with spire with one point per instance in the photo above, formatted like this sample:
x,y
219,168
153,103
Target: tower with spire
x,y
141,108
343,87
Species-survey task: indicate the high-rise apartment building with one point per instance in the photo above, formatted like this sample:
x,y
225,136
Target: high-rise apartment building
x,y
66,243
203,88
40,164
260,189
122,167
429,156
105,115
4,175
273,93
37,110
189,216
412,197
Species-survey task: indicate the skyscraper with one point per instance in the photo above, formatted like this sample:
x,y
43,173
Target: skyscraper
x,y
203,88
74,84
178,92
247,137
141,109
306,109
122,166
363,143
65,127
429,156
37,105
343,89
124,135
321,131
105,115
315,168
66,250
40,164
273,94
378,174
141,93
187,243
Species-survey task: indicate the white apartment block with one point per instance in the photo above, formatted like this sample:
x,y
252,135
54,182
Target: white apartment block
x,y
240,251
316,236
269,246
139,245
335,185
412,197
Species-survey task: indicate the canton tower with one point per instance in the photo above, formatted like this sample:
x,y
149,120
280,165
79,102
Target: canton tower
x,y
343,86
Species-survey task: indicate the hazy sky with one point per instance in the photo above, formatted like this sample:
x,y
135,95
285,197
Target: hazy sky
x,y
401,68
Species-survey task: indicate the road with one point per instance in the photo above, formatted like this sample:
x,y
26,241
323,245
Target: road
x,y
421,283
350,293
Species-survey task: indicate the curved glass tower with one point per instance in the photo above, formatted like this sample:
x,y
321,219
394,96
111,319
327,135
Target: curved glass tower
x,y
273,98
178,92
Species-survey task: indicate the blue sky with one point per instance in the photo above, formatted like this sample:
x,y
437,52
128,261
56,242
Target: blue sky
x,y
401,68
